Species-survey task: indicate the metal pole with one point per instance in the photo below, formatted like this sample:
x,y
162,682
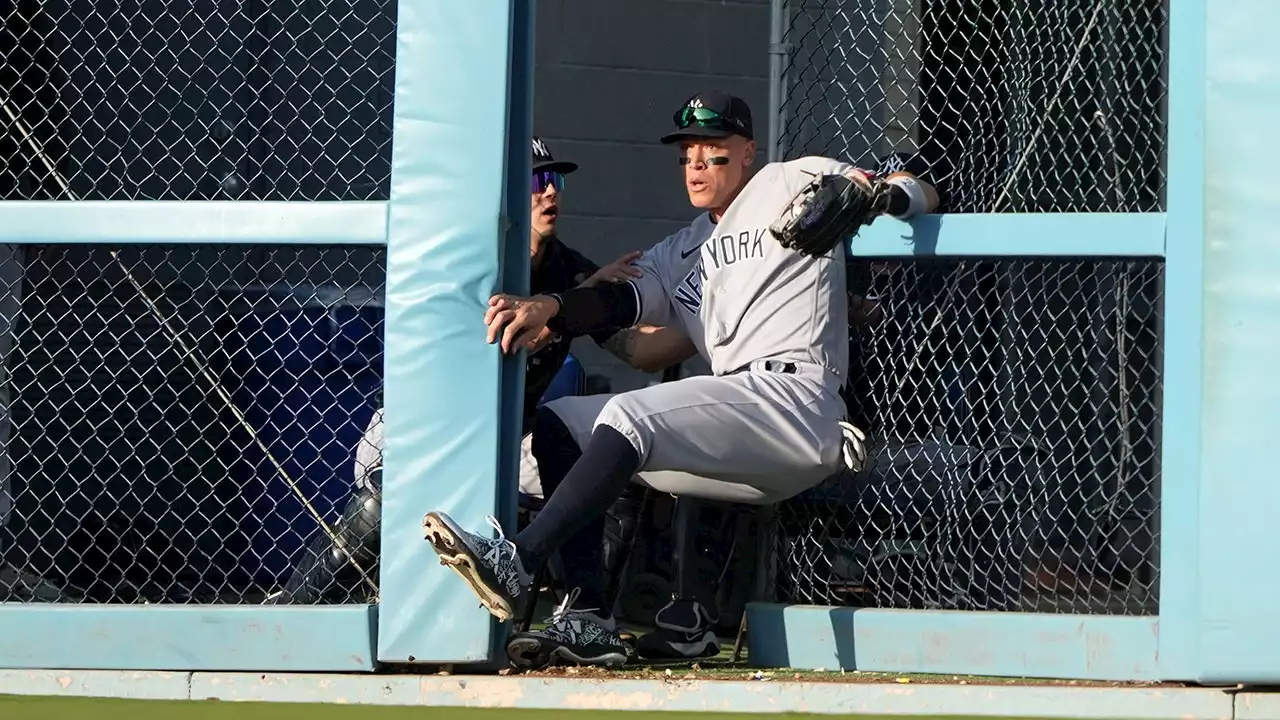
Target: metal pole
x,y
763,590
777,56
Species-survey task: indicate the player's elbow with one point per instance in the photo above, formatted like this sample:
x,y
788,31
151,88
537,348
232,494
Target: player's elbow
x,y
658,359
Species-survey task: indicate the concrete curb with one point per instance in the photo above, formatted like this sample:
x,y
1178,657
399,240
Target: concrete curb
x,y
855,699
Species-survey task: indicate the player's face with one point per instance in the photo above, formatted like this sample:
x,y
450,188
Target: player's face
x,y
546,202
715,169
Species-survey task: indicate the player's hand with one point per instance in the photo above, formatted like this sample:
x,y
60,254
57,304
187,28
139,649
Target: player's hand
x,y
620,270
516,321
544,339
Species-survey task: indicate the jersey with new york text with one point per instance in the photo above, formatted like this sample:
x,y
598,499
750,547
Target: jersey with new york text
x,y
740,295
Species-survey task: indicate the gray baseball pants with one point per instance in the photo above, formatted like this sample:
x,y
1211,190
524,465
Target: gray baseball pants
x,y
756,437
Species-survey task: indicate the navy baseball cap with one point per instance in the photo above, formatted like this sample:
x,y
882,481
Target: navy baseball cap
x,y
542,159
712,114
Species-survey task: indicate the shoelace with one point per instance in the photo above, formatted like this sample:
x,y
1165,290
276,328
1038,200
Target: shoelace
x,y
502,537
854,447
520,572
493,523
566,608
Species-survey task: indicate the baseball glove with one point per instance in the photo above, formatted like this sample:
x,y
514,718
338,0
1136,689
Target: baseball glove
x,y
829,210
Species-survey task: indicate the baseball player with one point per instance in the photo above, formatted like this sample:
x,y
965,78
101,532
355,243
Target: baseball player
x,y
326,569
771,320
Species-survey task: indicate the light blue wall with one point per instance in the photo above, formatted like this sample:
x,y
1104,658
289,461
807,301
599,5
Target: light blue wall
x,y
446,227
442,380
1239,484
1183,351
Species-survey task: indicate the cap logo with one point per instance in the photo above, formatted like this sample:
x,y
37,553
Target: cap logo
x,y
540,148
695,103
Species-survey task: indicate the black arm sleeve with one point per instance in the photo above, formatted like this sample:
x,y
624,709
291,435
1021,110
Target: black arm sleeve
x,y
587,311
899,201
859,277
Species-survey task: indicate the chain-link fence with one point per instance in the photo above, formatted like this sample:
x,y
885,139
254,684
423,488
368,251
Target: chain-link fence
x,y
215,100
183,417
1018,106
1014,409
182,420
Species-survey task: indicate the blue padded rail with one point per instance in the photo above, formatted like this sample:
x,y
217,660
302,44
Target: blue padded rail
x,y
442,380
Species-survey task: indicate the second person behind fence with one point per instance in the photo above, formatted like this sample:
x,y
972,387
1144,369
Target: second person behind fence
x,y
336,566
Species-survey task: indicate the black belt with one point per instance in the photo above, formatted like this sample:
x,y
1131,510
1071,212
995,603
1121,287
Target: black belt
x,y
776,366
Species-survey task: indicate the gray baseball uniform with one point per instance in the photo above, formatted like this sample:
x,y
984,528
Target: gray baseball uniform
x,y
772,323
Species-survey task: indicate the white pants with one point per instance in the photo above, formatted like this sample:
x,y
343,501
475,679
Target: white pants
x,y
369,452
530,481
369,458
755,437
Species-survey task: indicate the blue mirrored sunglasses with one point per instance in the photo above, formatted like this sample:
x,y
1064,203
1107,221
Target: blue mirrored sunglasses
x,y
542,179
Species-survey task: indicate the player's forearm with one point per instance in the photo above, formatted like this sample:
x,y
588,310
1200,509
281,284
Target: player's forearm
x,y
649,348
589,310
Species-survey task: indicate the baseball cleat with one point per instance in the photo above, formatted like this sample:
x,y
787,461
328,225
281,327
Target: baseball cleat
x,y
684,631
575,636
490,566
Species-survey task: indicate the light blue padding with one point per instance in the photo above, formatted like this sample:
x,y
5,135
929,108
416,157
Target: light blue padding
x,y
1013,234
223,222
447,184
335,638
1013,644
1183,345
1239,484
514,277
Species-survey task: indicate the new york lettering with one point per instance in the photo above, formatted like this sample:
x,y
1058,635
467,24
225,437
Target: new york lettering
x,y
689,293
727,250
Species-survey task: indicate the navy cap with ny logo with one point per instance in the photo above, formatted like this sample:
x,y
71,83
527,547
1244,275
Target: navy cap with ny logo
x,y
542,159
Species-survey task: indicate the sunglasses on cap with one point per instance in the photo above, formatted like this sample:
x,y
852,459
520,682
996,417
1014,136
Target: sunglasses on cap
x,y
542,179
705,117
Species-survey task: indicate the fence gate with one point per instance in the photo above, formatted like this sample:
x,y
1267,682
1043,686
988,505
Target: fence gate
x,y
1009,368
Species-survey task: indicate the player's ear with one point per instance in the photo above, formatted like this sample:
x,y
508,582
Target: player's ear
x,y
749,152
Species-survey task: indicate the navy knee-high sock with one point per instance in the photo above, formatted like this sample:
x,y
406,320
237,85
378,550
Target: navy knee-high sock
x,y
582,498
582,555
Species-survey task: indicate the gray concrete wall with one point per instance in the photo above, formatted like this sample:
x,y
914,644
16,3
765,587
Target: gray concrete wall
x,y
609,73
